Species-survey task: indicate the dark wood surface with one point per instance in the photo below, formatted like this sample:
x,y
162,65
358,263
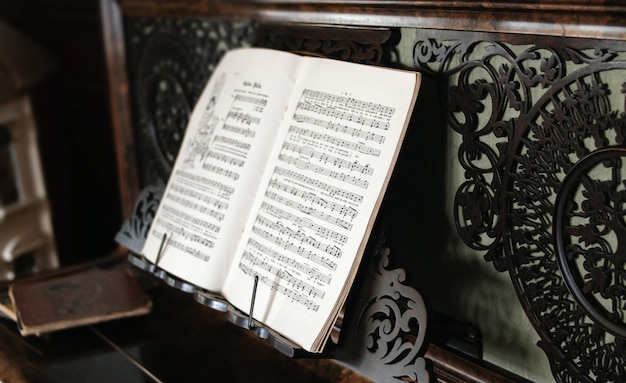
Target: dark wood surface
x,y
594,19
119,104
179,341
182,341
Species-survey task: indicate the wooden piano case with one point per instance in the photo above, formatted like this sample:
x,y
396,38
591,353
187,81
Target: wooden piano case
x,y
506,207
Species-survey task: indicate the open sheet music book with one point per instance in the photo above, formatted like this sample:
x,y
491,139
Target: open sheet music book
x,y
282,169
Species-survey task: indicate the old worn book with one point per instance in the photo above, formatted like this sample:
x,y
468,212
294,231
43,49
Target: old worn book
x,y
76,299
279,178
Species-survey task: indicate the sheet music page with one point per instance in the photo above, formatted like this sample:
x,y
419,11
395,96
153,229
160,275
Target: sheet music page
x,y
219,165
340,136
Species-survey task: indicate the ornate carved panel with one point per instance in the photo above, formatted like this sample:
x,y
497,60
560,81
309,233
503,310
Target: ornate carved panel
x,y
384,333
134,231
541,124
366,46
170,61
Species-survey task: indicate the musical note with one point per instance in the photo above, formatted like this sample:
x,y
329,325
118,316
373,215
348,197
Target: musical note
x,y
340,128
317,184
304,223
233,142
251,99
342,115
312,272
350,145
284,290
298,236
230,160
343,209
296,283
329,99
308,210
246,132
297,249
189,237
221,171
197,196
184,217
184,177
244,118
307,152
337,175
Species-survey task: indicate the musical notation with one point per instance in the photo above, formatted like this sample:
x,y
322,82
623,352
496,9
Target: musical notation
x,y
273,196
299,236
296,248
319,185
179,216
303,268
340,128
301,163
175,243
201,181
225,158
343,210
295,282
246,132
233,142
308,152
244,118
276,286
342,115
221,171
347,102
251,99
350,145
306,223
196,206
196,196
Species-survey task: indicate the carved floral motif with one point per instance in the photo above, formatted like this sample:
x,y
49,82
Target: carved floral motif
x,y
366,46
542,132
134,231
170,61
383,335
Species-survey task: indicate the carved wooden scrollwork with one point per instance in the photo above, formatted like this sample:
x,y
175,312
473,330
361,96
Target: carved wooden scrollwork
x,y
542,126
383,335
366,46
134,231
170,61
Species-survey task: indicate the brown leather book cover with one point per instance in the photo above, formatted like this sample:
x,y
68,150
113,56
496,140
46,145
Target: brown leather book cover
x,y
77,299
